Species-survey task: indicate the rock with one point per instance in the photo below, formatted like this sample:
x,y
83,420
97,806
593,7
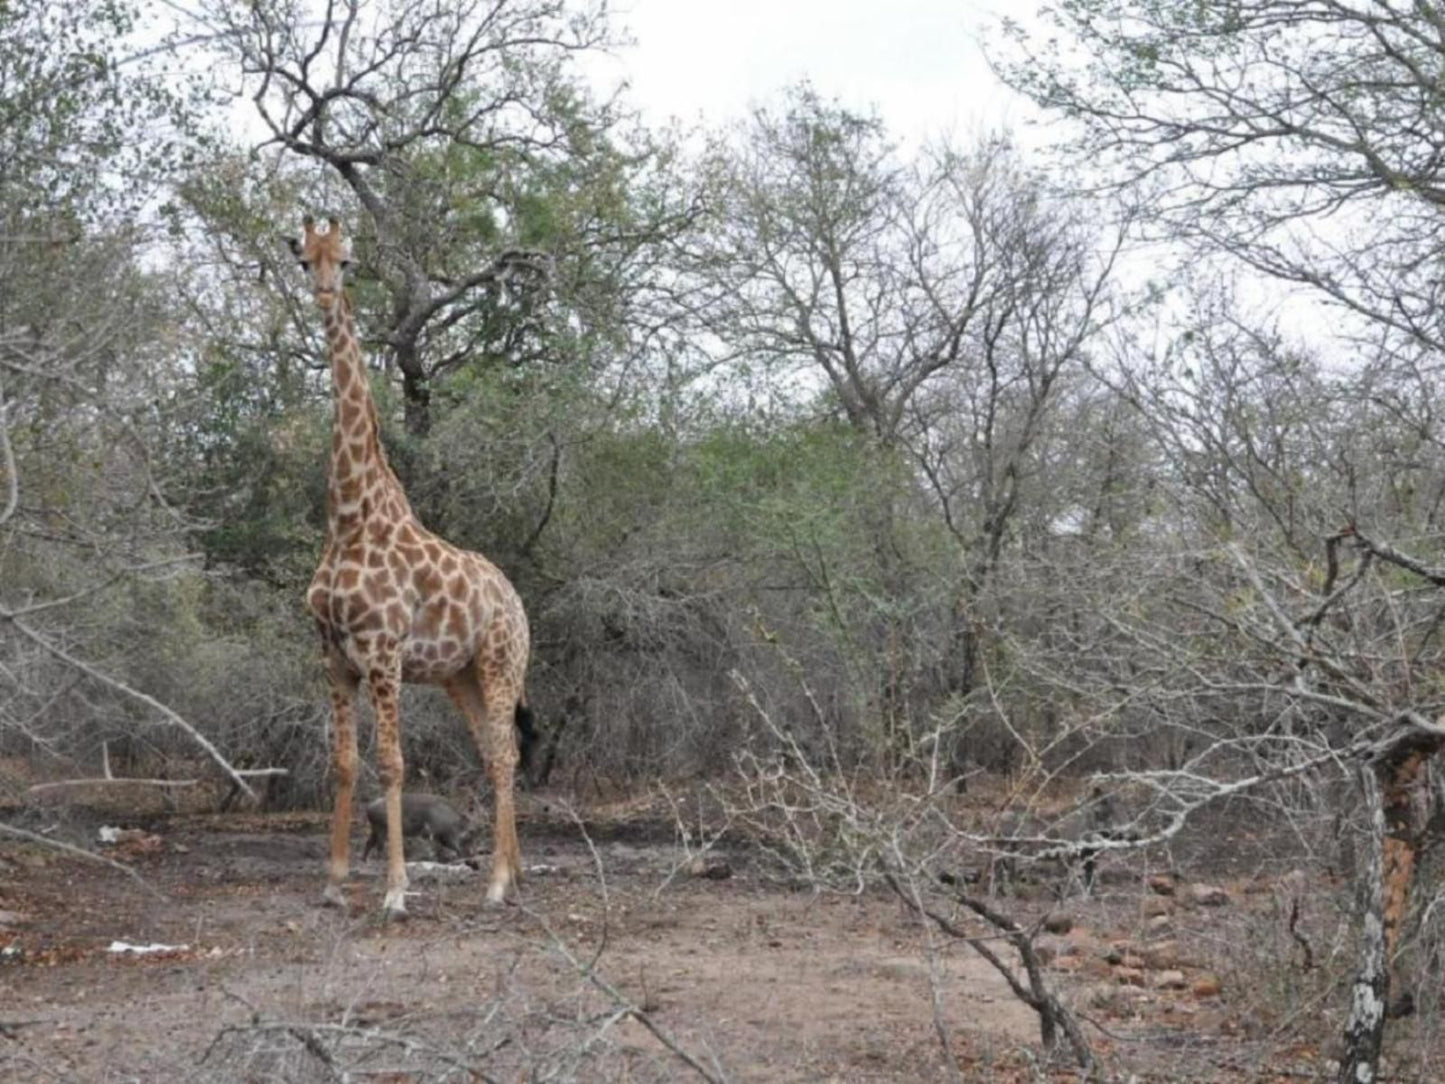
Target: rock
x,y
1161,955
1161,884
1102,995
1058,922
1160,924
1122,954
1057,946
1206,986
710,869
13,918
1154,906
1208,896
1128,976
1171,980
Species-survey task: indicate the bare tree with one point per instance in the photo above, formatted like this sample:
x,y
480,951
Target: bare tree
x,y
1304,140
1267,621
941,307
86,524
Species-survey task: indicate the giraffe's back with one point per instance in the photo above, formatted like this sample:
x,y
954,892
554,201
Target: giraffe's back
x,y
444,608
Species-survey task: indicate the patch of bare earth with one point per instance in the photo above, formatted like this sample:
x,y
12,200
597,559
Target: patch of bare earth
x,y
624,960
750,979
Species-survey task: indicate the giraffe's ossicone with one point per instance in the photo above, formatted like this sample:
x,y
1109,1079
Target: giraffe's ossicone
x,y
394,603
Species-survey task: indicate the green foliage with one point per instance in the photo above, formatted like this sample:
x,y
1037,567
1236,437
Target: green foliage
x,y
72,106
805,407
791,494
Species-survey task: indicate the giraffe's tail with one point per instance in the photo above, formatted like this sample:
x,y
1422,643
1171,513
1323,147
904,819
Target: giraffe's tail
x,y
526,735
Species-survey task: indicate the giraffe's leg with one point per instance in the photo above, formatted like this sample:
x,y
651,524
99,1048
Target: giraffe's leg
x,y
507,856
343,759
384,682
490,710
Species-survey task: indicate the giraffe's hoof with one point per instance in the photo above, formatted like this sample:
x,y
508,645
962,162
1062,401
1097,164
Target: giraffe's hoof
x,y
331,896
394,906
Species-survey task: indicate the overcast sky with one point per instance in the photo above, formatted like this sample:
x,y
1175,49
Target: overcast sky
x,y
917,61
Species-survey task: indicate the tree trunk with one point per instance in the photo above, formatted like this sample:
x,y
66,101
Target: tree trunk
x,y
960,665
416,395
1391,790
1365,1030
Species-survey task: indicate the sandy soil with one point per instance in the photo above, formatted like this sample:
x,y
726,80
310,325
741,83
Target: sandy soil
x,y
622,962
753,980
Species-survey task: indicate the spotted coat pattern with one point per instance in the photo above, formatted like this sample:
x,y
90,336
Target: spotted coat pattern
x,y
394,603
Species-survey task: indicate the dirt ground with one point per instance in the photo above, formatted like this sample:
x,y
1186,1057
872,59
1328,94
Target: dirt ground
x,y
736,969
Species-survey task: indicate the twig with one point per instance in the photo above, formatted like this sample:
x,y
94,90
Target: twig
x,y
7,464
309,1037
81,852
1300,939
625,1007
1315,616
588,971
1386,552
940,1023
708,841
1051,1011
8,1027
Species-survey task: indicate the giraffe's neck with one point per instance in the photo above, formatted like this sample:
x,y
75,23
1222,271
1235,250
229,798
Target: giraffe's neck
x,y
361,477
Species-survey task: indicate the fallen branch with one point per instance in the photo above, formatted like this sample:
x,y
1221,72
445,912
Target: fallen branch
x,y
121,687
21,833
115,780
309,1036
624,1007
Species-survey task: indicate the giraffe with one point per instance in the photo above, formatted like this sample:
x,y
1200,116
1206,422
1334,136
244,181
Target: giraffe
x,y
394,603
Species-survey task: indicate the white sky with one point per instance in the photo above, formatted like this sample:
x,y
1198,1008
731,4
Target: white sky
x,y
918,62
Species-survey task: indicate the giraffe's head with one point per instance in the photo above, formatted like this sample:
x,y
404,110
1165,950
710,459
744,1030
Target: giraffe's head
x,y
323,256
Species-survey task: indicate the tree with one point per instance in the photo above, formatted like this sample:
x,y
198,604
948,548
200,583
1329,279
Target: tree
x,y
1294,645
86,523
1305,140
507,214
942,305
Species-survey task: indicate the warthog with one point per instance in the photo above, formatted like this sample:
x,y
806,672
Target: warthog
x,y
421,814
